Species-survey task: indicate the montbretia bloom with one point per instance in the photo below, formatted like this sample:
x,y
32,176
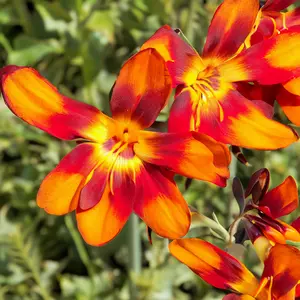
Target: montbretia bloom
x,y
207,99
265,207
117,168
272,20
271,23
279,279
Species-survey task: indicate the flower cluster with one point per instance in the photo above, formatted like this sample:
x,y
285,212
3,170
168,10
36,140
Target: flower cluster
x,y
225,96
271,238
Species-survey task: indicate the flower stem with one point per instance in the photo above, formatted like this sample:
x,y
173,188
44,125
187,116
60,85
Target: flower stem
x,y
83,254
135,254
189,30
233,173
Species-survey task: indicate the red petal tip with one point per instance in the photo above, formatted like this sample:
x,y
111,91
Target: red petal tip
x,y
8,70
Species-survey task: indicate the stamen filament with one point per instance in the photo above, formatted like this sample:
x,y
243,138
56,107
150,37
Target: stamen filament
x,y
111,168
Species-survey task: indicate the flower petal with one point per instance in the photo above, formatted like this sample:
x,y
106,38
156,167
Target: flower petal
x,y
285,272
231,24
59,191
296,224
104,208
94,189
271,229
297,291
190,154
238,297
235,120
290,104
277,5
142,88
273,61
160,204
274,230
243,121
260,243
105,220
293,86
262,96
182,111
36,101
214,265
265,30
258,185
114,168
183,62
281,200
291,19
290,233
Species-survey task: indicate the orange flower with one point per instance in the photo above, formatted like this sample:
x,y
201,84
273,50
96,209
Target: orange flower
x,y
207,99
272,23
265,207
278,281
296,224
117,168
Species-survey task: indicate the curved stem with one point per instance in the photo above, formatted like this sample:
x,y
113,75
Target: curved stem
x,y
233,172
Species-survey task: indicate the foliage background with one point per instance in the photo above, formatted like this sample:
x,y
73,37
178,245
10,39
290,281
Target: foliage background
x,y
80,45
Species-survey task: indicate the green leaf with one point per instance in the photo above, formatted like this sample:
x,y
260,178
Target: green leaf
x,y
8,16
102,22
29,51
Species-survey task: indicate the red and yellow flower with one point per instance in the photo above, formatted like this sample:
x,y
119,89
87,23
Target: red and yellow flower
x,y
278,282
207,99
117,168
266,207
271,22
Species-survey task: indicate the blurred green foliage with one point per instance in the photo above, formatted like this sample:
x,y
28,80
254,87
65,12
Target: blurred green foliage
x,y
80,45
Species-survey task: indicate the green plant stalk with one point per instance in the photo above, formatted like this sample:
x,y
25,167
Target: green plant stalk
x,y
169,8
23,13
135,254
214,225
233,173
80,247
189,30
5,43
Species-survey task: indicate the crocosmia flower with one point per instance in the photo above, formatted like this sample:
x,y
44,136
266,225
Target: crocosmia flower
x,y
272,22
207,99
117,168
266,207
221,270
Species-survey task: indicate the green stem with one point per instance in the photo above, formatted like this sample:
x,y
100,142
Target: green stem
x,y
233,173
189,30
80,247
214,225
135,254
233,228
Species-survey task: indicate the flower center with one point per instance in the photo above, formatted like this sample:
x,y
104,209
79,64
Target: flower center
x,y
207,88
126,133
119,155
